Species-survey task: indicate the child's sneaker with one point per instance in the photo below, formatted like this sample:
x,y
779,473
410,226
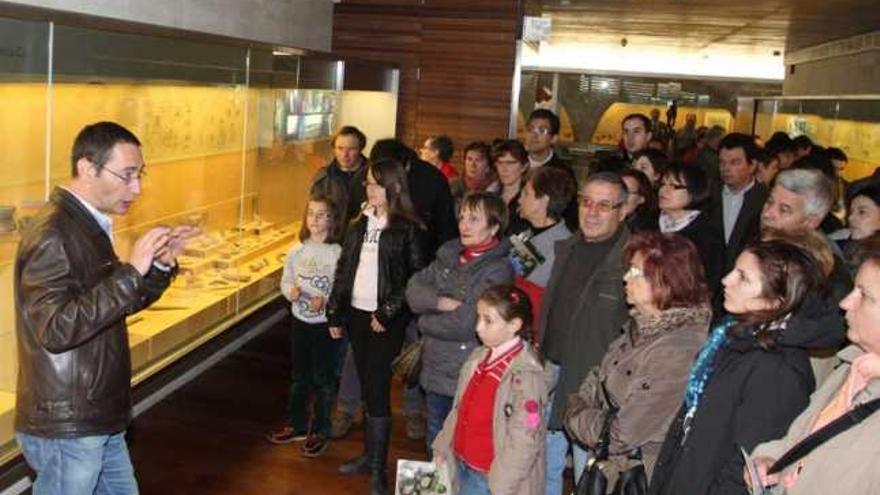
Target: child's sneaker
x,y
286,435
315,445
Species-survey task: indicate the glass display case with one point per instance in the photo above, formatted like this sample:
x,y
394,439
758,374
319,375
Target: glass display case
x,y
849,123
231,133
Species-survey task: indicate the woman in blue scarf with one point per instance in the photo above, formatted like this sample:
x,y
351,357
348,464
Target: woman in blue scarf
x,y
753,375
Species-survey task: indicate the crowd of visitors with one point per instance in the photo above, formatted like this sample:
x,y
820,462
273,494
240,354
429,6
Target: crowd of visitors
x,y
673,313
703,309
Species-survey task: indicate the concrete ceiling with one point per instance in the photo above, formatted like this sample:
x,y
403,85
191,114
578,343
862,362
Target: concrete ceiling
x,y
765,26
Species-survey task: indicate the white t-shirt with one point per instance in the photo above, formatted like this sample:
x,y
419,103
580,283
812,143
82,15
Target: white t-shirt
x,y
310,266
365,292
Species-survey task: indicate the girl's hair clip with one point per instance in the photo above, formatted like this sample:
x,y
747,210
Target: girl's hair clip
x,y
514,297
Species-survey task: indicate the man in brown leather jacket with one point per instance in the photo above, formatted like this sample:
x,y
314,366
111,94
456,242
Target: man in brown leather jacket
x,y
72,294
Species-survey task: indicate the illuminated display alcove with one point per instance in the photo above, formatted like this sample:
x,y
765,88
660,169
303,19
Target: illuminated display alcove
x,y
232,133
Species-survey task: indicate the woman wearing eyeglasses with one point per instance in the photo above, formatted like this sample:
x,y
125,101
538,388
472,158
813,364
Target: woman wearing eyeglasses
x,y
646,368
511,163
683,195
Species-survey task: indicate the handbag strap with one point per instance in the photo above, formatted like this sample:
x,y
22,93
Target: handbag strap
x,y
605,435
822,435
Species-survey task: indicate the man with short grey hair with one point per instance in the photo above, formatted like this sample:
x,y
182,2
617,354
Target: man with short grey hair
x,y
800,200
584,307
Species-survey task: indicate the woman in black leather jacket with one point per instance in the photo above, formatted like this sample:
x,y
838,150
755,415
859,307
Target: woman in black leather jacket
x,y
383,247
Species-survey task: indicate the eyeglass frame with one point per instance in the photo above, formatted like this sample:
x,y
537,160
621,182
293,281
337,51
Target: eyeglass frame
x,y
600,206
539,131
676,187
127,179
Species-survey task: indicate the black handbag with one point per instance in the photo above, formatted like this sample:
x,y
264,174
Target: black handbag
x,y
633,481
594,481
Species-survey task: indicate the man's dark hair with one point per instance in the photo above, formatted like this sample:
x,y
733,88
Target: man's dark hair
x,y
739,140
646,121
392,149
817,161
777,147
95,143
549,116
443,145
778,136
779,143
350,130
609,163
836,154
608,178
802,141
764,156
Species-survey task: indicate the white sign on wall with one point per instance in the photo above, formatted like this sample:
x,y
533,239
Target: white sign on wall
x,y
536,28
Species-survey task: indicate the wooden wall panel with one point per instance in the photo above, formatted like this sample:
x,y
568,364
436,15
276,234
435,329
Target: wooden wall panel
x,y
456,58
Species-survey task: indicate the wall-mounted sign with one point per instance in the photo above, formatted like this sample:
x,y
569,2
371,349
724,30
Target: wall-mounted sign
x,y
536,28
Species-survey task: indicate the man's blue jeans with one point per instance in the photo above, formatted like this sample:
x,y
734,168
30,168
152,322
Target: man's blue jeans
x,y
80,466
437,407
556,445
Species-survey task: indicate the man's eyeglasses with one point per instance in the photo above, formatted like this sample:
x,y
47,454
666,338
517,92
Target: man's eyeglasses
x,y
129,176
540,131
677,187
600,206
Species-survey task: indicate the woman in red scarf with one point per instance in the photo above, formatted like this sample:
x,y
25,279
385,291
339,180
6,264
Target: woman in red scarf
x,y
445,295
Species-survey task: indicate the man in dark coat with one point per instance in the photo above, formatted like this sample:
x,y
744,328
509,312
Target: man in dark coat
x,y
736,207
343,178
72,295
584,306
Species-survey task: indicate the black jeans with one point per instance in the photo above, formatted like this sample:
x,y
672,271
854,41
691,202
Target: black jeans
x,y
373,354
313,376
